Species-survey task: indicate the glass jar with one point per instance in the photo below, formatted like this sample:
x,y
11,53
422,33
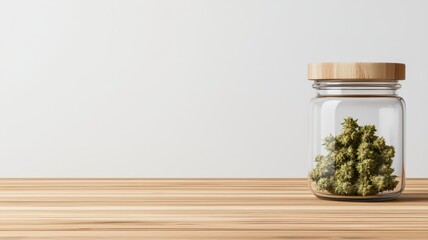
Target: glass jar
x,y
356,129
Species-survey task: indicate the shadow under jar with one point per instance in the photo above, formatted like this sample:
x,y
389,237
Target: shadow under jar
x,y
356,128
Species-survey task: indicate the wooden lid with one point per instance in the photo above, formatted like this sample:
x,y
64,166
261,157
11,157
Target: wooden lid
x,y
353,71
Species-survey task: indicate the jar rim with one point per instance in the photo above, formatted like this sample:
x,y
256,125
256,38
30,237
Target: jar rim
x,y
357,85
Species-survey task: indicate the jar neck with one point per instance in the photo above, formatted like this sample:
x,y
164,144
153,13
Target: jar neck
x,y
358,89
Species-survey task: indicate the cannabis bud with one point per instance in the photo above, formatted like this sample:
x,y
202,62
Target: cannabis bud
x,y
358,162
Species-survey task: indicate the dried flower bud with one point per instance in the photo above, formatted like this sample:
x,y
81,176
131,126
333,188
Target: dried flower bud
x,y
358,162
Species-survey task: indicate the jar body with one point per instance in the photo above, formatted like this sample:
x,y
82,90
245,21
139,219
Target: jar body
x,y
356,149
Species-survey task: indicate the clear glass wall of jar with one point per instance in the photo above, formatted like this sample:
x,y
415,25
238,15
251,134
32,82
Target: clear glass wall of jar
x,y
356,126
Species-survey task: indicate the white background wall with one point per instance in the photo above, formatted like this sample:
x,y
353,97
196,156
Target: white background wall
x,y
188,88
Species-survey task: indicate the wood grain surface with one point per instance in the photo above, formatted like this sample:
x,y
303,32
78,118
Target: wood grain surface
x,y
361,71
201,209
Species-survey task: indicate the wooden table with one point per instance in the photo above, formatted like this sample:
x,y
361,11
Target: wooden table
x,y
201,209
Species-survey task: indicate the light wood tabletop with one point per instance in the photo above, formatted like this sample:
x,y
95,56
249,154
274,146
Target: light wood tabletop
x,y
201,209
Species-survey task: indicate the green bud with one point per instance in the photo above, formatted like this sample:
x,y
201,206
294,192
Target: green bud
x,y
358,162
